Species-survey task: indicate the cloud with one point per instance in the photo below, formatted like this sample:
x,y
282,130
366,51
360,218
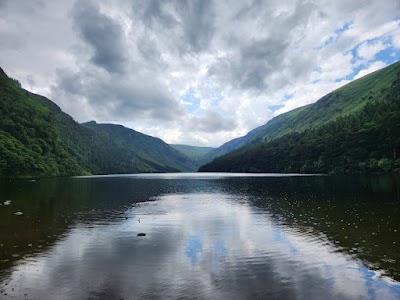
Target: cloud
x,y
212,122
133,62
103,34
191,22
396,40
368,50
126,97
371,68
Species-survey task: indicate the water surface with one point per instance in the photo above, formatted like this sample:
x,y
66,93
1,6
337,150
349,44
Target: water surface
x,y
220,236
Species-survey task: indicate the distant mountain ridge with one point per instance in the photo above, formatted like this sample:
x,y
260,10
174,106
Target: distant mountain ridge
x,y
195,153
355,128
37,139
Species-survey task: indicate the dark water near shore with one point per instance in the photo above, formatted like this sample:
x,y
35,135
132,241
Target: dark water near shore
x,y
208,236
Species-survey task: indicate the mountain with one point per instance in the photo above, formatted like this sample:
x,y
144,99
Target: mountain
x,y
195,153
38,139
132,146
355,128
344,101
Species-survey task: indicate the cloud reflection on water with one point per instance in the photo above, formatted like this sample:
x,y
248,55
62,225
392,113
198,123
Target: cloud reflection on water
x,y
200,245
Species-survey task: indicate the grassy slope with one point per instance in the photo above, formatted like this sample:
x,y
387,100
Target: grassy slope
x,y
346,100
350,101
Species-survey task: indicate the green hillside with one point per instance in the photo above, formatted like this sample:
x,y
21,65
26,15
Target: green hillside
x,y
37,139
342,102
135,148
353,129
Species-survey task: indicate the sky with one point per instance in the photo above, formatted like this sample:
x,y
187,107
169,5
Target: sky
x,y
193,72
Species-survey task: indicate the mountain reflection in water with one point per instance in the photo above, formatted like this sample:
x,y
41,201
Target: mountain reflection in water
x,y
207,236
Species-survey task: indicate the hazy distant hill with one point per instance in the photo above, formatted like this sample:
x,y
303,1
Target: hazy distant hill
x,y
353,129
38,139
196,153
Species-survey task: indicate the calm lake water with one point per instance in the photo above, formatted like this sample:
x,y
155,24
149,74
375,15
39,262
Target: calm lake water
x,y
208,236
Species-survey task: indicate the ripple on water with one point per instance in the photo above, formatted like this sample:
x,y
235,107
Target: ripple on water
x,y
208,244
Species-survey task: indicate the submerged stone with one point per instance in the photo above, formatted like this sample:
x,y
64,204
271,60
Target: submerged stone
x,y
141,234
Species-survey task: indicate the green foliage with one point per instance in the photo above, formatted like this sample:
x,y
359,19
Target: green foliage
x,y
367,140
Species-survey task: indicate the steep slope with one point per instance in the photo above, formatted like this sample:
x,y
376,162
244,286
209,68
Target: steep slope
x,y
344,101
38,139
353,129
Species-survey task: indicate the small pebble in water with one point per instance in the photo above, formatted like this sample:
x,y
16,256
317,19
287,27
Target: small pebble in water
x,y
18,213
141,234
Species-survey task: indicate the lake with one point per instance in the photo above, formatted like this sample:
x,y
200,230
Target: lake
x,y
208,236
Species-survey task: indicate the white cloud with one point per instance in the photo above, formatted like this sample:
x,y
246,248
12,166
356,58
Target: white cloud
x,y
368,50
371,68
396,40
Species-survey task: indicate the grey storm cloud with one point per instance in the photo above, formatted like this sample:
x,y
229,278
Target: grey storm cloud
x,y
255,60
126,98
103,34
190,22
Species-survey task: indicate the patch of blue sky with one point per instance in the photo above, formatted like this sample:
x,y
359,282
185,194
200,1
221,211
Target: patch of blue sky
x,y
288,96
345,27
316,69
275,107
389,55
191,100
335,35
213,92
217,98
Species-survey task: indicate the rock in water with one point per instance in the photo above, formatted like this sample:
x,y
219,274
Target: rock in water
x,y
18,213
8,202
141,234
